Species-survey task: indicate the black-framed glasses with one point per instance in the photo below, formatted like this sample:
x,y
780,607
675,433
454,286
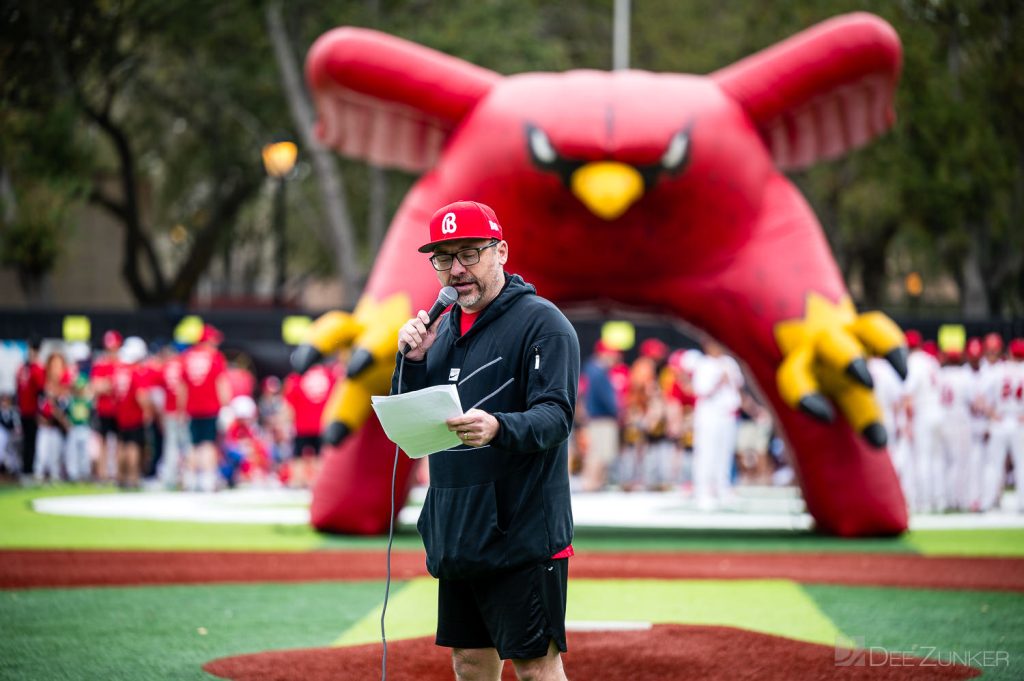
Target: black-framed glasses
x,y
467,256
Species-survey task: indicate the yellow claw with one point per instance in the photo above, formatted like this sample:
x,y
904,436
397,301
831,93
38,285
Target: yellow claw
x,y
373,327
333,331
878,333
823,354
795,376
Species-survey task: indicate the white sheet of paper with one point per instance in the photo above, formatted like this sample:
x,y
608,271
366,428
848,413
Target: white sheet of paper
x,y
415,420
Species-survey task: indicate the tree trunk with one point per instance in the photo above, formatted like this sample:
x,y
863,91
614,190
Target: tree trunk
x,y
325,168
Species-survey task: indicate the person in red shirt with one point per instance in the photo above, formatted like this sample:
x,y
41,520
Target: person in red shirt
x,y
29,381
101,379
131,397
307,395
204,390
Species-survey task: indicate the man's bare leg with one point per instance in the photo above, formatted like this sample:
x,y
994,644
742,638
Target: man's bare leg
x,y
547,668
476,664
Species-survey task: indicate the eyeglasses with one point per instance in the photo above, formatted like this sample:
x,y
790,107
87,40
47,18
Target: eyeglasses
x,y
467,256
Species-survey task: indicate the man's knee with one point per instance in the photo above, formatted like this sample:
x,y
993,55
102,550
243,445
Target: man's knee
x,y
476,664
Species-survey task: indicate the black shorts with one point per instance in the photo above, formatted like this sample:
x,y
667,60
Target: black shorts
x,y
518,612
108,425
133,435
304,442
203,429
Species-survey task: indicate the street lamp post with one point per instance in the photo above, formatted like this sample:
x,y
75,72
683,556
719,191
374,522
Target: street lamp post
x,y
278,160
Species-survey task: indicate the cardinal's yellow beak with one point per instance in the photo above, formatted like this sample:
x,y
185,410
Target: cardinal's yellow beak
x,y
607,188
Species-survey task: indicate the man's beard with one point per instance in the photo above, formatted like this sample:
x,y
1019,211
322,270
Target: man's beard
x,y
472,296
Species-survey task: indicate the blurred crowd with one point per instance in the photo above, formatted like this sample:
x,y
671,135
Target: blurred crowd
x,y
685,419
953,422
673,419
174,416
182,417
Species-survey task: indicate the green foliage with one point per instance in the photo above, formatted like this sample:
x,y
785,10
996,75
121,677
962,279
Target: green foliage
x,y
194,89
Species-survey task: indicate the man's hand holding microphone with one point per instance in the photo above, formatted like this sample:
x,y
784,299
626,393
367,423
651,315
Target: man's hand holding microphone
x,y
476,427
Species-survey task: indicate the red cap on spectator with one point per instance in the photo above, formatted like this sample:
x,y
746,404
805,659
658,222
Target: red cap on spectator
x,y
112,340
272,384
211,334
462,220
653,348
1017,348
931,348
974,350
913,339
602,347
953,356
993,342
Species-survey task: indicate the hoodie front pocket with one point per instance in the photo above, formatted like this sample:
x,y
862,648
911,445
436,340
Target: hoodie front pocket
x,y
460,531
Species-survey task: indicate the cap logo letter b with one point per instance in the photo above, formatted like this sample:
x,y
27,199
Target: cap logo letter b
x,y
448,224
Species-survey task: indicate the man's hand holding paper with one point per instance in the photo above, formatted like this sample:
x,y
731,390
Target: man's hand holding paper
x,y
475,428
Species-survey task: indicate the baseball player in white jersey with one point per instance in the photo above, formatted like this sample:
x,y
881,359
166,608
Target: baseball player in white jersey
x,y
717,380
1005,397
889,393
924,413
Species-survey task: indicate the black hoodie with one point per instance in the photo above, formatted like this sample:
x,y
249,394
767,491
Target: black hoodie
x,y
505,504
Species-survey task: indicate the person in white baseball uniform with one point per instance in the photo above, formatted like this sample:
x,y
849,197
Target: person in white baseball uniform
x,y
924,413
717,380
970,472
889,393
1005,394
955,393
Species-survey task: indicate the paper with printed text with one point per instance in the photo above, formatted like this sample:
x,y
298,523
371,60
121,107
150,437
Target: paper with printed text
x,y
415,421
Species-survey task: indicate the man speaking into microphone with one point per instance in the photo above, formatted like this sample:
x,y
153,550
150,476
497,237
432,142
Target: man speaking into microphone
x,y
496,522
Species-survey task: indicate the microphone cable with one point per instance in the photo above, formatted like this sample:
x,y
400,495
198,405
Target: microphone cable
x,y
391,537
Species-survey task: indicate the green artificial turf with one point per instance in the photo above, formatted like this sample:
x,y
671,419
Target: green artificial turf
x,y
21,527
168,632
929,623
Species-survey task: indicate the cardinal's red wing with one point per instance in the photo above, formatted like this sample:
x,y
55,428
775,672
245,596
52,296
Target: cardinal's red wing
x,y
389,101
823,92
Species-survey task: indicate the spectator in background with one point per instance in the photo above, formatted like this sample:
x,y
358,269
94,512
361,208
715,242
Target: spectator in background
x,y
102,377
246,455
29,381
602,417
52,418
76,454
204,391
306,396
132,402
175,424
717,380
10,433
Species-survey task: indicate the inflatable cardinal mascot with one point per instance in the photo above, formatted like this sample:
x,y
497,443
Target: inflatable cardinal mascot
x,y
658,192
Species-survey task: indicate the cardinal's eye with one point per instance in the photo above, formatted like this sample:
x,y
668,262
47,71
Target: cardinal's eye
x,y
677,151
540,146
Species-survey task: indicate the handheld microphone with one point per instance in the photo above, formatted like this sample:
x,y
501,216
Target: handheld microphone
x,y
447,296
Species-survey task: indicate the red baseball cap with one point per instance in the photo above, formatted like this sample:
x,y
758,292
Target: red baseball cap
x,y
1017,348
653,348
112,340
913,339
973,349
462,220
994,342
603,347
211,334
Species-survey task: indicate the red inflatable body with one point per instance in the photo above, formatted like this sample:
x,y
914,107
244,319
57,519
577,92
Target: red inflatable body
x,y
690,217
